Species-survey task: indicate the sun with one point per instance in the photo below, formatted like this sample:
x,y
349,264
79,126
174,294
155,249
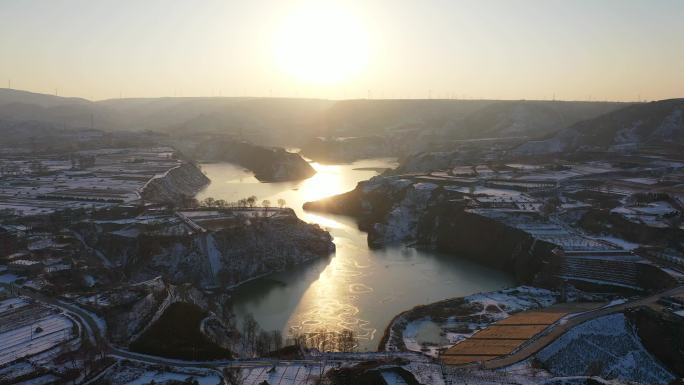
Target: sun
x,y
321,43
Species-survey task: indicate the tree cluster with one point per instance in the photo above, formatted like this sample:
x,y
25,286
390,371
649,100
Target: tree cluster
x,y
258,342
326,341
250,202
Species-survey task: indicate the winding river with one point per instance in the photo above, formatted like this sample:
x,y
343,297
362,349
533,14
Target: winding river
x,y
356,288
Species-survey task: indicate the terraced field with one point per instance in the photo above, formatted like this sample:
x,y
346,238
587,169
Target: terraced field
x,y
502,337
29,328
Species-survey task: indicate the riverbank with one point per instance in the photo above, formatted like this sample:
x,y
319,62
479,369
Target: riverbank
x,y
432,327
358,288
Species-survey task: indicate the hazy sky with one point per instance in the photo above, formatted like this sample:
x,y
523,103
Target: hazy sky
x,y
510,49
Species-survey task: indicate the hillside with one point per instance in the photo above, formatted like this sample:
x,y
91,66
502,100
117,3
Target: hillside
x,y
638,126
400,126
526,118
9,96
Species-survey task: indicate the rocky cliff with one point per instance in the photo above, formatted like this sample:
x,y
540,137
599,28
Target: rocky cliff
x,y
175,184
269,164
129,311
236,248
394,210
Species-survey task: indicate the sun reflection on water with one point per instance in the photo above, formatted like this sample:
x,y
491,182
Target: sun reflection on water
x,y
329,302
357,288
326,182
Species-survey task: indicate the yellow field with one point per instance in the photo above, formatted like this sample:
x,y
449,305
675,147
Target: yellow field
x,y
500,338
532,318
514,332
475,346
461,360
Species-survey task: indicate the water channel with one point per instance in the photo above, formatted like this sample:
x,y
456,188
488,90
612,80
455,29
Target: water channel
x,y
357,287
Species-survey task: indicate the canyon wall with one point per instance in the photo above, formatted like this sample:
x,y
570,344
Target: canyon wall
x,y
243,249
398,211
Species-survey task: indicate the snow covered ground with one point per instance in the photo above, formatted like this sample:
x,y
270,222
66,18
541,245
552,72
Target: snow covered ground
x,y
117,175
428,336
304,374
616,241
133,373
605,346
653,214
12,303
162,377
33,337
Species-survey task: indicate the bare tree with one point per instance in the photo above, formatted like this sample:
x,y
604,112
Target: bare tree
x,y
281,203
189,202
251,201
264,344
297,339
277,339
250,329
346,341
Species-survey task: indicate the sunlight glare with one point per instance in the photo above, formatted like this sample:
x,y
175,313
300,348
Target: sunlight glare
x,y
326,182
321,43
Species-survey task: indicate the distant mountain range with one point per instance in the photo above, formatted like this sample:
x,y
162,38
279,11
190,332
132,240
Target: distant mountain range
x,y
402,126
638,126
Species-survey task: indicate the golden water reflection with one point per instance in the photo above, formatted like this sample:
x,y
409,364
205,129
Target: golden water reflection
x,y
330,302
357,288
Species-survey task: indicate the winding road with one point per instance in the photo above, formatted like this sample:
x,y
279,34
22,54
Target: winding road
x,y
97,336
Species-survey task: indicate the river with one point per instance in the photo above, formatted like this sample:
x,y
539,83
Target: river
x,y
355,288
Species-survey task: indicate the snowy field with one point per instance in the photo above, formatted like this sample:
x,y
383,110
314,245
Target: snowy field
x,y
161,377
133,373
117,175
285,375
428,336
652,214
21,337
607,346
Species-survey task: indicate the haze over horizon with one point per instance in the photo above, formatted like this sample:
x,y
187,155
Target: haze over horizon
x,y
494,49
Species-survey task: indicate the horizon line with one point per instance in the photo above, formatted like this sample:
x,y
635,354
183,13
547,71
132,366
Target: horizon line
x,y
337,100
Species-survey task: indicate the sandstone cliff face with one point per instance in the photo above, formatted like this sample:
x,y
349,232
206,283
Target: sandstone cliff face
x,y
174,185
